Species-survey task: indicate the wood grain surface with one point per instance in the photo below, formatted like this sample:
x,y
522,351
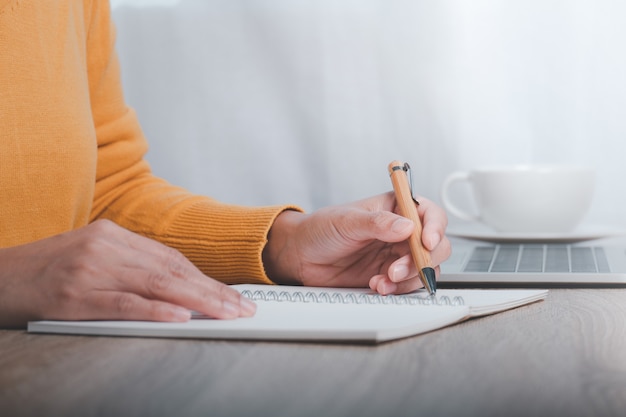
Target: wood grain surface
x,y
565,356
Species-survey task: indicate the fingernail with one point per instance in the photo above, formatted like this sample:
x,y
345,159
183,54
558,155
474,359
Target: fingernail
x,y
401,224
434,240
248,307
399,272
180,314
232,310
386,288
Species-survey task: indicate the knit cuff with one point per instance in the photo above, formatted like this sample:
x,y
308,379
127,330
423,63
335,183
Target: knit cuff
x,y
225,241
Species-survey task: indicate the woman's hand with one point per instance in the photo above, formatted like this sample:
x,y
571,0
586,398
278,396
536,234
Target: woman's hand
x,y
354,245
103,271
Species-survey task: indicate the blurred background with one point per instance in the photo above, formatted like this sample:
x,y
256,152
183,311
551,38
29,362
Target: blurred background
x,y
263,102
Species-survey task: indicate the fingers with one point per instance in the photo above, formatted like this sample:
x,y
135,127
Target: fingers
x,y
434,222
163,273
112,273
114,305
402,275
373,219
362,225
383,285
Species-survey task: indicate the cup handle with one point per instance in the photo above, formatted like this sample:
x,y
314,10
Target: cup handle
x,y
458,176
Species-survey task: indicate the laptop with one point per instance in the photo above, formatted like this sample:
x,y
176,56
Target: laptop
x,y
541,262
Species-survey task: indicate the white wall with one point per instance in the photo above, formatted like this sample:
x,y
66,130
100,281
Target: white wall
x,y
306,101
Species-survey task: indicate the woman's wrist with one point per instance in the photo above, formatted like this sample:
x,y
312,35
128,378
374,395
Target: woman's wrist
x,y
280,257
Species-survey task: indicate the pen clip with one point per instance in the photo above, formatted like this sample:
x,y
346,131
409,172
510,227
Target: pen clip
x,y
407,168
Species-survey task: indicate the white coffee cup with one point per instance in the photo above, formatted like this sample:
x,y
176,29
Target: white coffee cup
x,y
524,198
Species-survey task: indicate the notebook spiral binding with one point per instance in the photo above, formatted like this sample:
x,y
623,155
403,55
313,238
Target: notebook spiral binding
x,y
351,298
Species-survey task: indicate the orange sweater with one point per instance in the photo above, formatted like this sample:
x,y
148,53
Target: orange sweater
x,y
71,150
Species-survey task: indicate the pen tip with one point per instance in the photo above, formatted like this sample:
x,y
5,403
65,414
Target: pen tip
x,y
430,281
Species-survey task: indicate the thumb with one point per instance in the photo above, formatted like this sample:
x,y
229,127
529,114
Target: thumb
x,y
380,225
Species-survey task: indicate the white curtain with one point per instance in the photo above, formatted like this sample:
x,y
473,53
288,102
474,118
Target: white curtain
x,y
307,101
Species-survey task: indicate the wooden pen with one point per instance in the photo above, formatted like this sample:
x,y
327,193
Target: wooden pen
x,y
406,206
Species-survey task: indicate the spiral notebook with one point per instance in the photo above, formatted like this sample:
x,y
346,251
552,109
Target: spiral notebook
x,y
319,314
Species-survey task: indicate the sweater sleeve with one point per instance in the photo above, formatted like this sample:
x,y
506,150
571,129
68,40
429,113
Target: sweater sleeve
x,y
225,241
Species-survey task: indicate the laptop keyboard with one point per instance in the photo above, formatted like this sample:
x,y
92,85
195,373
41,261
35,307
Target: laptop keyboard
x,y
537,258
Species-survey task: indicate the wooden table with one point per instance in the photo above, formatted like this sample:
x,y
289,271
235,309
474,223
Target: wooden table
x,y
565,356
